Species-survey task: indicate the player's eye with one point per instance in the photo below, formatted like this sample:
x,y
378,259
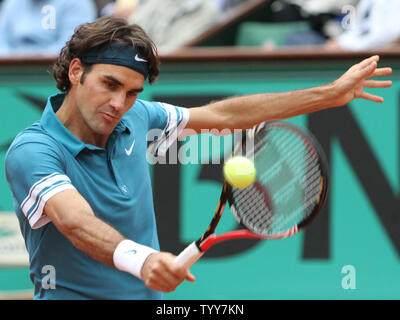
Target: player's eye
x,y
110,85
131,94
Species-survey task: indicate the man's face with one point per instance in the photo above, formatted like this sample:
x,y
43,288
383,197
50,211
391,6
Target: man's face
x,y
105,94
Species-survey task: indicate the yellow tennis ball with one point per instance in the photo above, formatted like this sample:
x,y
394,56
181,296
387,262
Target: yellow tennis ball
x,y
239,172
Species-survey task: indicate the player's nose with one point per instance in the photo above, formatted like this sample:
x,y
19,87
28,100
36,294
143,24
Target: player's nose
x,y
117,101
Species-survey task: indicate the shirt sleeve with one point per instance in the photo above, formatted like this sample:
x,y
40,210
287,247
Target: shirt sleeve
x,y
35,173
167,123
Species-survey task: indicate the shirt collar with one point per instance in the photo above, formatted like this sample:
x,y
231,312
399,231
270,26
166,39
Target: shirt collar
x,y
53,125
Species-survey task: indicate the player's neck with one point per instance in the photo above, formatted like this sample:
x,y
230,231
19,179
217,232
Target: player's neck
x,y
70,116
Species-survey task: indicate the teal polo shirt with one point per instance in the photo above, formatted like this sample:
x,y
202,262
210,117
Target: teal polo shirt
x,y
46,159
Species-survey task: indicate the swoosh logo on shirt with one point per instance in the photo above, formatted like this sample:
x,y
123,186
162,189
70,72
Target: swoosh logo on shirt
x,y
128,152
137,58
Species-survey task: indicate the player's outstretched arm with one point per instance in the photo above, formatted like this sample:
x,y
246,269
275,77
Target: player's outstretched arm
x,y
246,111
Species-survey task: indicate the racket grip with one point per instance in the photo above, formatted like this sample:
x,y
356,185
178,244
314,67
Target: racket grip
x,y
189,255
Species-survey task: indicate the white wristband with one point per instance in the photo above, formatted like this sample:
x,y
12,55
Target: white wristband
x,y
130,256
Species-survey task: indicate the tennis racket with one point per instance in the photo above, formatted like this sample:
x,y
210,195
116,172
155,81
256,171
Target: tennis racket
x,y
289,191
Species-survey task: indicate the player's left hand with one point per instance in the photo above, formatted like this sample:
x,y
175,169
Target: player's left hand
x,y
351,85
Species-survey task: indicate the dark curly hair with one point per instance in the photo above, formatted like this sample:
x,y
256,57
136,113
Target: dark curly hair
x,y
104,30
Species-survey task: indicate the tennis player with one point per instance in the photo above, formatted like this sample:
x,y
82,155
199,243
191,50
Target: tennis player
x,y
79,175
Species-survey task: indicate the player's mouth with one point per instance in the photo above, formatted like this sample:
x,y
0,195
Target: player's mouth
x,y
108,117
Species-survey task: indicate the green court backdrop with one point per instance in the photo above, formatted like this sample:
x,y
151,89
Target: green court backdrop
x,y
351,251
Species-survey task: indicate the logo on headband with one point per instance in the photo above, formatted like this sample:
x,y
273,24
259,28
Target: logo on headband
x,y
139,59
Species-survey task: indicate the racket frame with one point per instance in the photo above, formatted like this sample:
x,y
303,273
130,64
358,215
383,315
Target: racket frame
x,y
197,248
314,146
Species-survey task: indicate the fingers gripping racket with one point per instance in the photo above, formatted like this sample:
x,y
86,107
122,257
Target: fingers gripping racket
x,y
289,191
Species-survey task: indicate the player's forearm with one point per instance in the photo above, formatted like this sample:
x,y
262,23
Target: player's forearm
x,y
93,237
244,112
74,218
105,244
98,240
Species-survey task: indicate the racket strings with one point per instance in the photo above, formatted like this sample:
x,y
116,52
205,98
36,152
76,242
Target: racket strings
x,y
310,181
275,152
296,212
259,216
258,204
295,209
263,162
260,151
258,213
289,169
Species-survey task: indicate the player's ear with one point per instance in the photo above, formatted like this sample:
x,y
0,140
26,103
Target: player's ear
x,y
75,71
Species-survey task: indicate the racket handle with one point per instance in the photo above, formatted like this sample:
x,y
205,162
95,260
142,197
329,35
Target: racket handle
x,y
189,255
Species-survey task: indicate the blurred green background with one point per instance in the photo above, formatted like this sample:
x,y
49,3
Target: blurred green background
x,y
358,226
